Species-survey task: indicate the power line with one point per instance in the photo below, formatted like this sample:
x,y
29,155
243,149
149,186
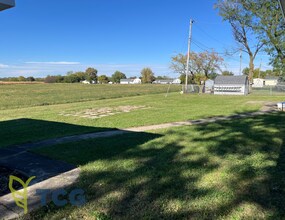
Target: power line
x,y
213,38
204,47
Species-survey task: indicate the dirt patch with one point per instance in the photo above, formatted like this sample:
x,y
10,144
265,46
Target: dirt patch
x,y
256,102
103,112
266,106
4,180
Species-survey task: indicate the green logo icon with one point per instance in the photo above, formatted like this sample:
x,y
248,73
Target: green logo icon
x,y
20,197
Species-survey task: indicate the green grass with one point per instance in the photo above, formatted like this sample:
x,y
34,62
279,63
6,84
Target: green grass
x,y
225,170
27,95
29,124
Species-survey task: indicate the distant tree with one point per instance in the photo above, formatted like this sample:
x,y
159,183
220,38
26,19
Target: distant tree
x,y
13,79
103,79
213,76
91,74
59,79
71,78
227,73
81,76
162,77
21,79
30,79
147,75
50,79
117,76
183,78
245,71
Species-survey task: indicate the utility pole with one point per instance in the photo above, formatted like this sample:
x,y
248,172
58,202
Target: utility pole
x,y
240,65
188,55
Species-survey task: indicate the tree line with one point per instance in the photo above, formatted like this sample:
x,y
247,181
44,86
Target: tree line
x,y
90,75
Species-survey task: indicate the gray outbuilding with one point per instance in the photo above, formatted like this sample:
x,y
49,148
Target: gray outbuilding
x,y
231,85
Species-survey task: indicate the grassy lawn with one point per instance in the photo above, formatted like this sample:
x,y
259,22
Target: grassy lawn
x,y
27,95
225,170
28,124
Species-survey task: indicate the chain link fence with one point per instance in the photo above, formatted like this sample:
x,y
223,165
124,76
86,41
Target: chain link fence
x,y
198,89
269,90
262,91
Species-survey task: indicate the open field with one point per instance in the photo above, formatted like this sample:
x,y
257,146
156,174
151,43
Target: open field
x,y
38,123
225,170
28,124
27,95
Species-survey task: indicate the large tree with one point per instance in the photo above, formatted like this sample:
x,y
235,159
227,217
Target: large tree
x,y
103,79
205,63
147,75
117,76
269,25
242,22
91,74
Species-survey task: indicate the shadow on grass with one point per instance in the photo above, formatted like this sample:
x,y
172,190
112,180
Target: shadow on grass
x,y
229,169
24,130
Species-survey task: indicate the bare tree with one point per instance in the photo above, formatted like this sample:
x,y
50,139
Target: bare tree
x,y
241,21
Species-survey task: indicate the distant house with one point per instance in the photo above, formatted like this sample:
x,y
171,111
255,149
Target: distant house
x,y
137,81
271,80
88,82
126,81
176,81
163,81
131,81
85,82
167,81
231,85
258,83
209,86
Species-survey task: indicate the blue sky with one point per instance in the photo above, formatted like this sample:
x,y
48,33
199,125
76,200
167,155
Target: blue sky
x,y
40,37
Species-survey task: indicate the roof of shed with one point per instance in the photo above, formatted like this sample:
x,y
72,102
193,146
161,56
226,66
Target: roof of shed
x,y
231,80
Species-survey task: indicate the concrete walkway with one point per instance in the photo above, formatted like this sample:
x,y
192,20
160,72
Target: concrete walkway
x,y
16,157
74,138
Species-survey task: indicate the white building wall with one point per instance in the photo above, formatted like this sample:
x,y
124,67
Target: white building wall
x,y
243,90
271,82
137,81
258,83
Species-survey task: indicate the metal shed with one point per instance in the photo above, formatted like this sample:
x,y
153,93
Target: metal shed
x,y
231,85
